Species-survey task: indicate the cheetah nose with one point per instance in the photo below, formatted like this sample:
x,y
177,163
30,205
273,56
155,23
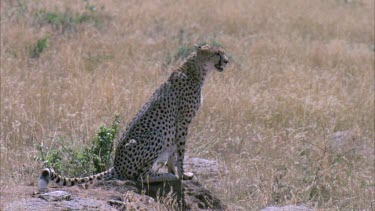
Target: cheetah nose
x,y
226,61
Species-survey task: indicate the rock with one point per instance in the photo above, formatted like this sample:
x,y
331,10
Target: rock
x,y
58,200
56,196
202,167
287,208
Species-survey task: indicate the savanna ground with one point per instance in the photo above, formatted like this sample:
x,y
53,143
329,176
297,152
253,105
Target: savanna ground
x,y
301,72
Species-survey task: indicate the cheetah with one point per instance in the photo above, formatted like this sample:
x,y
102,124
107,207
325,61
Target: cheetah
x,y
157,134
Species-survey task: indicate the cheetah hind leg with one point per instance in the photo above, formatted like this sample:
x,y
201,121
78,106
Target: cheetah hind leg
x,y
150,177
147,174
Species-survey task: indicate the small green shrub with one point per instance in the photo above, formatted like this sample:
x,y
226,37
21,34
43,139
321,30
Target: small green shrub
x,y
102,147
39,47
70,160
67,21
52,158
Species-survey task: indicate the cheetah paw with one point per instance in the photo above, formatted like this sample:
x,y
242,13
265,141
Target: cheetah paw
x,y
188,176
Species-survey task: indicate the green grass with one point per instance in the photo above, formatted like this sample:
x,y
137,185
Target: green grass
x,y
39,47
68,21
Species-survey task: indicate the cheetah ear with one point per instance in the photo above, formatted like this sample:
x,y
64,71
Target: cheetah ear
x,y
198,47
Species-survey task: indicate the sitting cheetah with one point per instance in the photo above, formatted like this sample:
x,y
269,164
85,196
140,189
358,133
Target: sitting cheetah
x,y
158,132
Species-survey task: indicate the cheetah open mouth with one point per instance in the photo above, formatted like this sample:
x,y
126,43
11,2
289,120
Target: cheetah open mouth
x,y
219,67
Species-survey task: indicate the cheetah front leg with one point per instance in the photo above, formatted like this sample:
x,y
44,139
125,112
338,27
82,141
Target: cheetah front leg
x,y
182,130
171,164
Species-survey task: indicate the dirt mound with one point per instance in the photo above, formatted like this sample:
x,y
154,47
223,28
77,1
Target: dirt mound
x,y
124,195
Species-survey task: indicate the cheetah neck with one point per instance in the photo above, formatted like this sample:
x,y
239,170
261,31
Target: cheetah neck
x,y
194,70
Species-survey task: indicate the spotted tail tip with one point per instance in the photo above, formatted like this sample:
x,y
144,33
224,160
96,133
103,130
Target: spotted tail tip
x,y
44,179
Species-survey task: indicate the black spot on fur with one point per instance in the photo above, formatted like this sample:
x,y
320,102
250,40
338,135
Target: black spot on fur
x,y
45,173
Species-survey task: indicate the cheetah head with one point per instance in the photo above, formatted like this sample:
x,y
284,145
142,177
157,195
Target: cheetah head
x,y
213,57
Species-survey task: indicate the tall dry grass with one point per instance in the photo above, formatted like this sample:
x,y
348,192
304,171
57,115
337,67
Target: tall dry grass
x,y
300,72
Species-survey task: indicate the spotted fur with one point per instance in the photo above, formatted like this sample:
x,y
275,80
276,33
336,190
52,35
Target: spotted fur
x,y
157,134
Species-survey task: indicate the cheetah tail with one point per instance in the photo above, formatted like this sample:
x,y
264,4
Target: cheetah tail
x,y
48,175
